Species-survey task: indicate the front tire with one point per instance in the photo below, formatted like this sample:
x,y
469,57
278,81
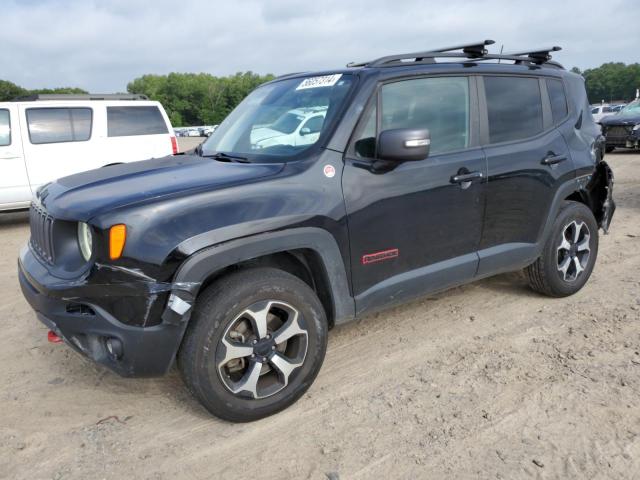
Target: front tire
x,y
569,254
255,344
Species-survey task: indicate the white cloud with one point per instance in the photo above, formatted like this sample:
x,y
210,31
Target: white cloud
x,y
101,45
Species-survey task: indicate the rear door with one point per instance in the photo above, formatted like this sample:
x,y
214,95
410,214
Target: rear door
x,y
58,141
15,191
528,159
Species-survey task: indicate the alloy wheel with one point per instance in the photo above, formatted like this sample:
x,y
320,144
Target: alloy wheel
x,y
261,349
573,252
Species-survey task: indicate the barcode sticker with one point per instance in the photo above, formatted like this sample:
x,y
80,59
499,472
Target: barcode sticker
x,y
317,82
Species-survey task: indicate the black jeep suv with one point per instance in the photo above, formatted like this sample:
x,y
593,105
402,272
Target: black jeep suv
x,y
321,198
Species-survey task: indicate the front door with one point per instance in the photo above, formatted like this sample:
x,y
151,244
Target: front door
x,y
14,186
415,228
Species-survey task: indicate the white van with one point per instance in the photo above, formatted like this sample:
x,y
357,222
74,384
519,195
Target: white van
x,y
45,137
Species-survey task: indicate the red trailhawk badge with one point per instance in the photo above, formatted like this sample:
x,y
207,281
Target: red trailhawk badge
x,y
380,256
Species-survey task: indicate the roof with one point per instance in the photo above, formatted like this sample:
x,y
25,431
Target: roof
x,y
76,96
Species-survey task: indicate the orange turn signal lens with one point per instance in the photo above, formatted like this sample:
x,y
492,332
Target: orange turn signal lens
x,y
117,239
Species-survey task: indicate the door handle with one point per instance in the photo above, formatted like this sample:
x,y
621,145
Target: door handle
x,y
467,177
10,157
553,159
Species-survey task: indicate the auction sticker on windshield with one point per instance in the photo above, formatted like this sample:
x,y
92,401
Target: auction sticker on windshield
x,y
316,82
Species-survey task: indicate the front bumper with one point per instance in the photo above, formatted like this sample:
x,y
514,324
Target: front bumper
x,y
85,326
622,136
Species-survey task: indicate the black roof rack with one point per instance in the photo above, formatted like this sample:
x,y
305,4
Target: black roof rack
x,y
541,55
472,49
472,52
81,96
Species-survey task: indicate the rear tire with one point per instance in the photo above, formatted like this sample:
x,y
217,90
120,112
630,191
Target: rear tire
x,y
569,254
256,342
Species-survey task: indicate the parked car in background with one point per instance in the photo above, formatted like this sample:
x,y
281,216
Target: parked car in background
x,y
601,111
623,129
192,132
300,126
45,137
206,131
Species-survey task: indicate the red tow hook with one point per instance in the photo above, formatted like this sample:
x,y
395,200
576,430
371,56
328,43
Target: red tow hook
x,y
53,338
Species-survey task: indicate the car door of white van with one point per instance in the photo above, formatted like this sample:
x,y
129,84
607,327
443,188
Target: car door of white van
x,y
58,141
14,184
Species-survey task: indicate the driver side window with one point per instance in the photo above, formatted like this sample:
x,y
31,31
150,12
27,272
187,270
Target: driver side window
x,y
440,104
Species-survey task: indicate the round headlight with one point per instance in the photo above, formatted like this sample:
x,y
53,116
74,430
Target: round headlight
x,y
637,127
85,240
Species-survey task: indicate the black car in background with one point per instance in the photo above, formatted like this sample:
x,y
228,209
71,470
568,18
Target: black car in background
x,y
623,129
423,171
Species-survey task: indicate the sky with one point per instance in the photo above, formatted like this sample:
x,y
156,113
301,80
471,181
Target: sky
x,y
102,45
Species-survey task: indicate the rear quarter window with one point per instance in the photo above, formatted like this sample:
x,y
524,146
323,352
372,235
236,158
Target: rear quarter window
x,y
58,125
558,100
132,121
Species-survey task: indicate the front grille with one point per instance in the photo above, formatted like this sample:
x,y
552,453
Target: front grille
x,y
618,132
42,233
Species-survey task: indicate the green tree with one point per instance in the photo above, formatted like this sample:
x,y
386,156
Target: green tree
x,y
59,90
612,81
9,91
197,98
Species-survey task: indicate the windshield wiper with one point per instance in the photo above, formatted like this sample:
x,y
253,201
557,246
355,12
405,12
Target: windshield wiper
x,y
225,157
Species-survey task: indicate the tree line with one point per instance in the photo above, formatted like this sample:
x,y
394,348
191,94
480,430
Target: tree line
x,y
10,91
197,98
204,99
611,81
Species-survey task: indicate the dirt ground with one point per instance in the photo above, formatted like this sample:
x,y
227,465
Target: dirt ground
x,y
484,381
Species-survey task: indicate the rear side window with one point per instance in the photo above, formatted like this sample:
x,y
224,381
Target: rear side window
x,y
515,108
56,125
130,121
558,100
5,128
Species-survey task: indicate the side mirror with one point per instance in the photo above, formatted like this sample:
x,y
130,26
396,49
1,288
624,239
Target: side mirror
x,y
305,131
404,144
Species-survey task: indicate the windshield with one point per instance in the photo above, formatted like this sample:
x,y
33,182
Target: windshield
x,y
632,109
271,122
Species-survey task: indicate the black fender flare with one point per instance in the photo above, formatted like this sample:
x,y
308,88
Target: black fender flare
x,y
575,185
207,261
582,185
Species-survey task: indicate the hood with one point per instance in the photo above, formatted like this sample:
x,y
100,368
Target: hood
x,y
87,194
621,119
